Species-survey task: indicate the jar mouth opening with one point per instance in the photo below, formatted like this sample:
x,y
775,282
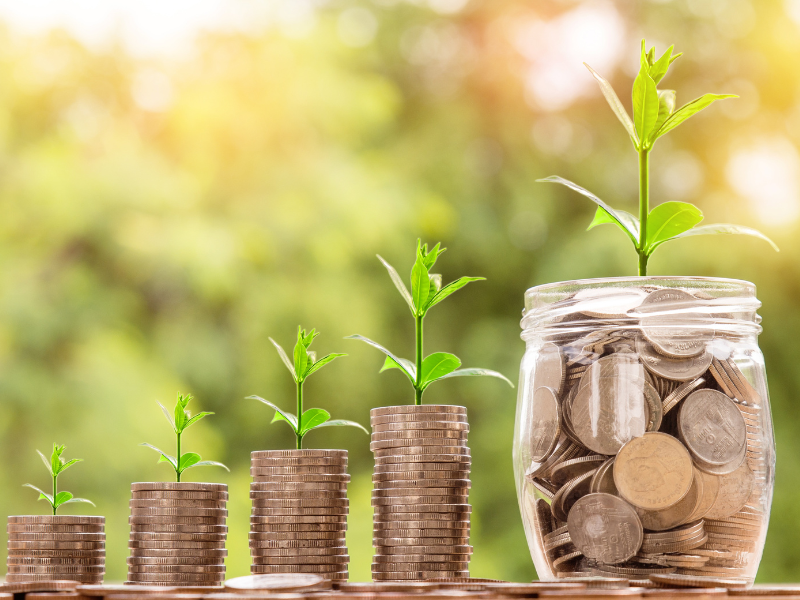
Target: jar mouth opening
x,y
699,303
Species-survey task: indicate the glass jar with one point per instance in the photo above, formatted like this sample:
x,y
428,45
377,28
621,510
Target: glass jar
x,y
643,440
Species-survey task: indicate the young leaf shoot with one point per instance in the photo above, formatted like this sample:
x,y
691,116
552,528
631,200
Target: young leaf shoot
x,y
55,466
654,115
426,292
304,365
181,420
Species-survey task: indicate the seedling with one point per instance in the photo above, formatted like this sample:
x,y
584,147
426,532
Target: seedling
x,y
654,115
181,420
426,292
305,364
55,466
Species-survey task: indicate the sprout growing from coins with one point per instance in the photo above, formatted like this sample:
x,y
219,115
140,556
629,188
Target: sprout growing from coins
x,y
305,364
426,292
55,466
654,115
181,420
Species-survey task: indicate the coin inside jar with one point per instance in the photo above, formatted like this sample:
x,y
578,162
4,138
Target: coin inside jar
x,y
734,491
605,528
545,425
550,369
675,369
680,512
670,327
608,413
713,430
653,471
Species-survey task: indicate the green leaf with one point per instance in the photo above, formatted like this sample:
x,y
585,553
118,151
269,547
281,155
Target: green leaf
x,y
601,217
46,463
180,416
79,500
615,104
666,106
723,229
279,414
401,363
166,414
451,287
322,362
669,219
406,366
645,103
187,460
313,417
343,423
196,418
210,463
478,373
436,366
42,495
398,283
61,498
164,456
55,459
687,110
420,285
284,358
430,258
67,465
660,67
622,218
300,359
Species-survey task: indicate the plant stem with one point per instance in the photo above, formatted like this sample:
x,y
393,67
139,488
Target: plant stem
x,y
299,415
55,493
418,383
177,471
644,207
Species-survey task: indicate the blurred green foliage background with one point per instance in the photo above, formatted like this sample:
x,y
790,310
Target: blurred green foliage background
x,y
160,217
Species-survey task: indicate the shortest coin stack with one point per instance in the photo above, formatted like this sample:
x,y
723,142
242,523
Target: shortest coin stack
x,y
420,496
299,517
178,534
56,547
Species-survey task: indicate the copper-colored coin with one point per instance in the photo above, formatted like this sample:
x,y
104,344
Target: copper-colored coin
x,y
170,552
545,426
415,491
391,501
391,517
179,487
417,575
667,518
339,559
267,503
301,543
177,578
676,369
653,471
712,428
297,527
429,524
424,483
261,568
55,561
605,528
419,566
427,549
170,503
299,518
417,418
325,551
675,580
431,508
47,545
710,491
293,486
443,477
97,554
177,496
417,409
569,494
421,426
56,569
603,479
297,454
55,520
734,492
608,413
570,469
171,511
405,435
296,582
57,537
665,324
14,528
681,392
300,512
169,537
655,409
422,466
418,533
441,444
421,453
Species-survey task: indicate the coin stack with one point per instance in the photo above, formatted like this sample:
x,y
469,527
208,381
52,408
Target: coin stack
x,y
420,497
648,445
299,517
56,547
178,534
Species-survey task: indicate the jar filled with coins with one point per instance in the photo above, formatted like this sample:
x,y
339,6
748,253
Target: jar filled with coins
x,y
643,441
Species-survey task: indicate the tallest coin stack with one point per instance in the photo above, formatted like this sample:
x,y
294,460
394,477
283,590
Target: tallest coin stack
x,y
420,497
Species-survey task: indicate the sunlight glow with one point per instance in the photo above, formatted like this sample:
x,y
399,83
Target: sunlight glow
x,y
766,173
